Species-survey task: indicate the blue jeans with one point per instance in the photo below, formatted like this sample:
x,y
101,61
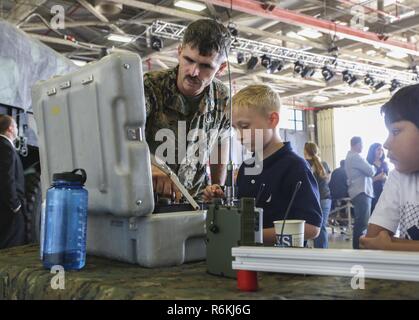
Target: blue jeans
x,y
322,241
362,212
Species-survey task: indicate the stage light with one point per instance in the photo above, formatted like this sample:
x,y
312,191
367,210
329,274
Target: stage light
x,y
327,73
265,61
379,85
394,85
233,30
251,64
276,66
308,72
298,67
348,77
156,43
240,57
369,81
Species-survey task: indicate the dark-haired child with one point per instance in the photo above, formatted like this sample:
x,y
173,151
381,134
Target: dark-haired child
x,y
398,206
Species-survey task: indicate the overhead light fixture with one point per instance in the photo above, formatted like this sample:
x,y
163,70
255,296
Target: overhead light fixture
x,y
369,81
407,14
120,38
108,8
252,63
265,61
276,66
348,77
240,57
394,85
190,5
397,54
308,72
327,73
79,63
156,43
310,33
379,85
320,99
298,67
294,35
343,23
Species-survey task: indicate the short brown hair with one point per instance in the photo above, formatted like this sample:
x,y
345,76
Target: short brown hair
x,y
208,35
355,140
258,96
5,123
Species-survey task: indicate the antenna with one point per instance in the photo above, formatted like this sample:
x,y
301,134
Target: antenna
x,y
229,185
297,187
261,188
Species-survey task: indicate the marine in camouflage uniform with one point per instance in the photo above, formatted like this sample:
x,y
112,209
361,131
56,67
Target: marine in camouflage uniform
x,y
205,125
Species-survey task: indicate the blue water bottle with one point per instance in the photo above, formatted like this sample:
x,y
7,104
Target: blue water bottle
x,y
65,221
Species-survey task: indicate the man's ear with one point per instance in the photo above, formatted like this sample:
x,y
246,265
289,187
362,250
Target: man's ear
x,y
221,69
179,50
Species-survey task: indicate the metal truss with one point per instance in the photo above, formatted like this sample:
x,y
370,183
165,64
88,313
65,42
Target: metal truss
x,y
258,48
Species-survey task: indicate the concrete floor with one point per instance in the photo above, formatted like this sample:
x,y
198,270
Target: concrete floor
x,y
338,239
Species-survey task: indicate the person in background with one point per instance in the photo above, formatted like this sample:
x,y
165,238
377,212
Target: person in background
x,y
338,182
376,157
360,189
12,187
321,172
398,206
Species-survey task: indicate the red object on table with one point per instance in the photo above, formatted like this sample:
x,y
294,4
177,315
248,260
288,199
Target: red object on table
x,y
247,280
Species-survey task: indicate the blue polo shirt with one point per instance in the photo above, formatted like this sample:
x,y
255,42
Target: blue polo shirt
x,y
281,172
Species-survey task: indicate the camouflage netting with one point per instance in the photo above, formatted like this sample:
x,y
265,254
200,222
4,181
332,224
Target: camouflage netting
x,y
22,277
23,61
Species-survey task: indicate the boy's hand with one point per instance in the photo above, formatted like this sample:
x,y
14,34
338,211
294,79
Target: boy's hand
x,y
383,176
212,191
381,242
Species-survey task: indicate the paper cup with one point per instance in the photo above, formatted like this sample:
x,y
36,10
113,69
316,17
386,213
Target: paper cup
x,y
293,235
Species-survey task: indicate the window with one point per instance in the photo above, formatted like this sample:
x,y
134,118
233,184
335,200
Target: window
x,y
291,119
365,122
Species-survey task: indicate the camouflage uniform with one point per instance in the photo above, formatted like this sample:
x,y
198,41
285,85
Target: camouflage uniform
x,y
168,109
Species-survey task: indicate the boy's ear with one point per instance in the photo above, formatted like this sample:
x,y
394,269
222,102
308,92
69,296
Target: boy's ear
x,y
221,69
274,119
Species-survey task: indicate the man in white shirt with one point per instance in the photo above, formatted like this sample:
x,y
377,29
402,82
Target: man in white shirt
x,y
12,187
360,188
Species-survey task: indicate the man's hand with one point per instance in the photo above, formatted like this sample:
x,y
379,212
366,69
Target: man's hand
x,y
212,191
163,186
381,242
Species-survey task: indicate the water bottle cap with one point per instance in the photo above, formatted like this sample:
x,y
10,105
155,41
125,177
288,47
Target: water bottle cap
x,y
71,176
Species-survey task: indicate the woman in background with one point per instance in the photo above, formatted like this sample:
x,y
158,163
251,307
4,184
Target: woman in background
x,y
321,172
376,158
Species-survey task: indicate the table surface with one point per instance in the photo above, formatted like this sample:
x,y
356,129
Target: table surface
x,y
23,277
